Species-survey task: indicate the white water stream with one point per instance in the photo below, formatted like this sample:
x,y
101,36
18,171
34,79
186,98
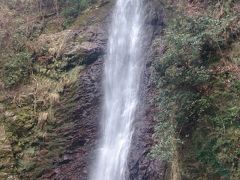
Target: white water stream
x,y
122,74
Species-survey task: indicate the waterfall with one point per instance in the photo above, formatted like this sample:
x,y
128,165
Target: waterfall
x,y
122,74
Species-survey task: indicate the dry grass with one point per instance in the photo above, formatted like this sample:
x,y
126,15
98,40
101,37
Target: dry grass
x,y
54,98
196,8
5,25
189,8
42,119
236,7
225,66
52,43
175,166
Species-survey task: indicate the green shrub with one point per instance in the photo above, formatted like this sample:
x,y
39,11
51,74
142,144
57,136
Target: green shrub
x,y
75,7
17,69
199,106
71,12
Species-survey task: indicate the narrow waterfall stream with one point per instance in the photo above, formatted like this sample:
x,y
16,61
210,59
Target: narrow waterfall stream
x,y
122,74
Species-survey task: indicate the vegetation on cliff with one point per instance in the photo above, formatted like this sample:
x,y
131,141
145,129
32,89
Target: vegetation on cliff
x,y
43,51
199,99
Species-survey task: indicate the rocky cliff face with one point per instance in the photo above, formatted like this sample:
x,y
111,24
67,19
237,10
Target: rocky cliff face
x,y
141,165
61,104
86,109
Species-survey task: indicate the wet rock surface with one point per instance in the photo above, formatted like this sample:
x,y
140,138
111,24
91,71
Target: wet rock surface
x,y
141,165
82,134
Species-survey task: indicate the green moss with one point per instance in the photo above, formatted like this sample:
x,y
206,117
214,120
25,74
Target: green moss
x,y
72,11
17,69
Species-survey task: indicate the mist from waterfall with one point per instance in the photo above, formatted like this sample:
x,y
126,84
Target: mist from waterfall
x,y
122,75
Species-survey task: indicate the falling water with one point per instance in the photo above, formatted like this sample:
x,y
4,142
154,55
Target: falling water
x,y
122,72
